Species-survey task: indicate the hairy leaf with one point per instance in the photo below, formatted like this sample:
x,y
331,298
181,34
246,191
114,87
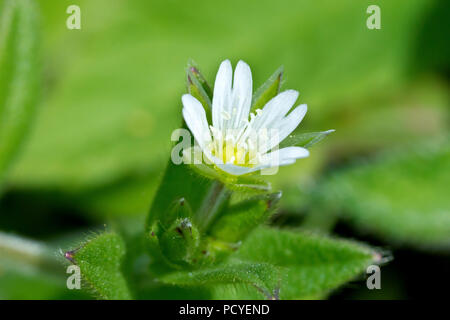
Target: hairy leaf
x,y
274,264
312,265
100,263
261,276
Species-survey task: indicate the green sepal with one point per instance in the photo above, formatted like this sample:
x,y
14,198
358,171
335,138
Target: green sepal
x,y
305,140
198,87
267,90
248,183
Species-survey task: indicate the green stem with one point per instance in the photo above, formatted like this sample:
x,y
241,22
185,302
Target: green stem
x,y
212,205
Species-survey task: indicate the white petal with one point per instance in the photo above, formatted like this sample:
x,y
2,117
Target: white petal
x,y
276,109
222,93
235,170
293,153
284,127
287,161
195,117
285,154
242,94
270,165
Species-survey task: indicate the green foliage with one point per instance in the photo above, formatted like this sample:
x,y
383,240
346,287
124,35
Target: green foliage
x,y
311,264
402,196
262,276
283,264
19,75
100,260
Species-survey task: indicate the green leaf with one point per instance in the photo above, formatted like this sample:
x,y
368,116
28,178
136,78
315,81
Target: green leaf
x,y
267,90
261,276
241,218
402,195
19,75
304,140
274,264
99,260
194,70
311,265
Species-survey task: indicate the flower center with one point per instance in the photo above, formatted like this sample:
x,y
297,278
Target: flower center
x,y
244,146
231,152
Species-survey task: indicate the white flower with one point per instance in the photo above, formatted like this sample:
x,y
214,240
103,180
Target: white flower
x,y
238,142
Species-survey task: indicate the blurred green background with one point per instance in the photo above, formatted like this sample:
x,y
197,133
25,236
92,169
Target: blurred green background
x,y
111,98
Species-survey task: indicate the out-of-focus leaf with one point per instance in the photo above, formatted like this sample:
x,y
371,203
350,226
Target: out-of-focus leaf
x,y
268,90
402,196
19,75
417,111
304,140
100,263
16,285
261,276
